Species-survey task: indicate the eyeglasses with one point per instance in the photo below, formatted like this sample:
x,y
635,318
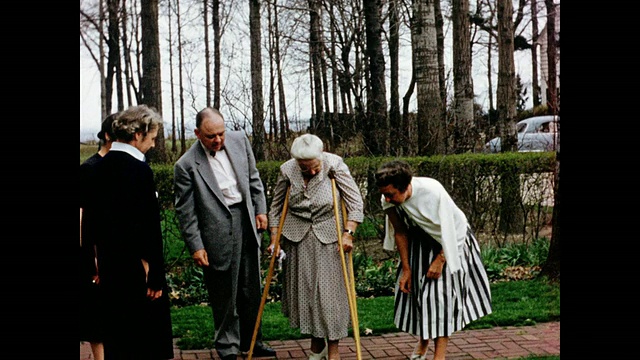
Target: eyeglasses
x,y
310,166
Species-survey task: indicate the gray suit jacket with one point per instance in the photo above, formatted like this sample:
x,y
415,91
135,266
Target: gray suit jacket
x,y
205,219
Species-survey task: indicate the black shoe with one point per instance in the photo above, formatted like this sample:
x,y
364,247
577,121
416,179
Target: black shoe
x,y
262,350
229,357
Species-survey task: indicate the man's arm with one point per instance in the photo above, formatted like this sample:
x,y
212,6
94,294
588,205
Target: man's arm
x,y
186,208
255,184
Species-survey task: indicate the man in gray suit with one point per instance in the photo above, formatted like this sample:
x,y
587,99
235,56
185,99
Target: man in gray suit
x,y
221,206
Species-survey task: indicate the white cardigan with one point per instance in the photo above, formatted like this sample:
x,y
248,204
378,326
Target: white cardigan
x,y
432,208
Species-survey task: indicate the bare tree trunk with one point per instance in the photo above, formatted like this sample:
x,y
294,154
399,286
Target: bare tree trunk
x,y
553,106
327,119
284,119
425,48
118,64
128,72
257,101
207,54
441,65
345,80
534,54
105,107
376,134
506,77
334,78
217,36
312,92
551,267
174,145
151,85
113,60
334,64
489,73
315,51
510,220
183,138
395,121
409,146
462,80
273,120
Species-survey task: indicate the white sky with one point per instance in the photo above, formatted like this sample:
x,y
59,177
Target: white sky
x,y
298,96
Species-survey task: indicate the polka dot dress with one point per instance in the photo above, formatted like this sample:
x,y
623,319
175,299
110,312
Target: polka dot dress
x,y
314,297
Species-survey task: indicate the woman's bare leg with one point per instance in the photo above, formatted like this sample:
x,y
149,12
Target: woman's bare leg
x,y
98,351
317,345
421,347
441,347
334,352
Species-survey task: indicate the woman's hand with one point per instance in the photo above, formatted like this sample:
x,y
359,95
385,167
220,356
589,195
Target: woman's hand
x,y
435,269
404,282
347,242
153,294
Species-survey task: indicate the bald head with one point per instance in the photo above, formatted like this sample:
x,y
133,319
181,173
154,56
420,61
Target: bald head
x,y
210,129
208,113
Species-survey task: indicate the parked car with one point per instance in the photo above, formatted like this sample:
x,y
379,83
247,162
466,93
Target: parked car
x,y
538,133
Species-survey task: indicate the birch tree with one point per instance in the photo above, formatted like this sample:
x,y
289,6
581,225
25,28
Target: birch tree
x,y
425,50
462,81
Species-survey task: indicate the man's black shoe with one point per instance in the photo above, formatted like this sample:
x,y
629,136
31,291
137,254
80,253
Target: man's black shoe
x,y
262,350
229,357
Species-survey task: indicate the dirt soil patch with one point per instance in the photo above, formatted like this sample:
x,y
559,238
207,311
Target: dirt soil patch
x,y
372,247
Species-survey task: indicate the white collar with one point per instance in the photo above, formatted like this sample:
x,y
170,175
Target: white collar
x,y
129,149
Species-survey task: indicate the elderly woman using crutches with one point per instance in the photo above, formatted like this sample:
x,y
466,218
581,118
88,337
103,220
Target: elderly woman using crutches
x,y
315,297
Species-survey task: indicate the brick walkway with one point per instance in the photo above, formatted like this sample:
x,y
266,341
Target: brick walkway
x,y
497,343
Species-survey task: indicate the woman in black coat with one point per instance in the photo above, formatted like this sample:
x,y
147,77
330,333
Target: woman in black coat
x,y
124,220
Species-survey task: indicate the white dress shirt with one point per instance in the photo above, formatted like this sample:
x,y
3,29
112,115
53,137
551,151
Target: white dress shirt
x,y
225,175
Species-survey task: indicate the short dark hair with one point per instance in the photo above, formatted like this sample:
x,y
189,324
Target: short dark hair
x,y
107,127
396,173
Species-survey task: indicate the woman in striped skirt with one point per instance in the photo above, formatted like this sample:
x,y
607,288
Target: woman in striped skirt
x,y
442,284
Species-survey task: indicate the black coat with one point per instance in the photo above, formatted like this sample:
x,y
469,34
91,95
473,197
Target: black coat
x,y
124,221
91,321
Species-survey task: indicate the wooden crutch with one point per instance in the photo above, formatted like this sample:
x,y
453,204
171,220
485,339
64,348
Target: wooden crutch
x,y
353,281
265,292
349,284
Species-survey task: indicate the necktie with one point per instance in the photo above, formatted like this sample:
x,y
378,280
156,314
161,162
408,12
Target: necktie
x,y
213,153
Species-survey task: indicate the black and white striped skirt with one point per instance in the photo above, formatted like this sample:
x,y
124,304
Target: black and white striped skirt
x,y
438,307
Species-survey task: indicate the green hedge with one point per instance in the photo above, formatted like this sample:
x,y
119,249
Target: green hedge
x,y
477,183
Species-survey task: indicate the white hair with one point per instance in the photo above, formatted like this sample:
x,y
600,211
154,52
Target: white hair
x,y
306,147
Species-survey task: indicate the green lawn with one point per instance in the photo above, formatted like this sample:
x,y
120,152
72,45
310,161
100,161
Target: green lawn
x,y
514,303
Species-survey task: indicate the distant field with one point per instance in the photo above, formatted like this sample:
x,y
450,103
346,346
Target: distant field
x,y
87,150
